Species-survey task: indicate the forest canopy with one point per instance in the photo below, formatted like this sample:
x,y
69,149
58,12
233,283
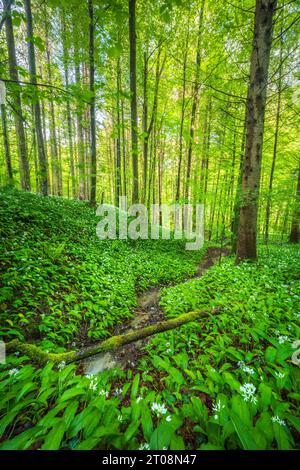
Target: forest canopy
x,y
79,123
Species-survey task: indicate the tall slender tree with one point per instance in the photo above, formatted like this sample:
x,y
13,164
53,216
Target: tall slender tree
x,y
195,98
133,102
6,145
255,117
17,105
43,167
92,104
183,111
68,110
118,139
56,169
295,229
274,157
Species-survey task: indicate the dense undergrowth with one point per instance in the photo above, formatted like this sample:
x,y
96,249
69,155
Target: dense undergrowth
x,y
59,281
227,382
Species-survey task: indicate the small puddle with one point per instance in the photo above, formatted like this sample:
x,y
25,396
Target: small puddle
x,y
99,363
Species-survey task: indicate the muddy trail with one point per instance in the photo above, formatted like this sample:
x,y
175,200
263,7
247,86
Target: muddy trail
x,y
147,312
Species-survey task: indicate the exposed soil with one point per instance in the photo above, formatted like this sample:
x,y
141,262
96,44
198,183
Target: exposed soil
x,y
146,313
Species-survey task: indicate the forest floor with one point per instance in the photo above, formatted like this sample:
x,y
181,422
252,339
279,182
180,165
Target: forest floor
x,y
148,312
225,382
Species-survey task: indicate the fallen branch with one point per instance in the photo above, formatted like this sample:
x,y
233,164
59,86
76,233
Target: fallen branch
x,y
41,357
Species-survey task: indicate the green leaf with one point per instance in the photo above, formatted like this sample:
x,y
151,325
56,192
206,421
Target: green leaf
x,y
295,422
266,395
281,437
264,425
27,387
71,393
55,436
147,424
88,444
131,430
270,354
24,440
11,415
70,412
161,436
209,446
244,434
177,443
135,386
199,409
241,409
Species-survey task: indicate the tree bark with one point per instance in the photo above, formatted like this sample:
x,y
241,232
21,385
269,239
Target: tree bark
x,y
118,140
145,126
14,75
133,102
92,105
35,157
43,170
6,145
148,128
295,230
69,120
268,206
80,147
124,153
55,166
237,199
202,189
195,99
182,118
256,101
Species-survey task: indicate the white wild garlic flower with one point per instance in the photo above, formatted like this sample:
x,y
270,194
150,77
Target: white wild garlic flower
x,y
245,368
248,391
144,446
158,409
276,419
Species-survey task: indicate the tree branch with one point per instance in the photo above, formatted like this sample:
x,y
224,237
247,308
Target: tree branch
x,y
38,356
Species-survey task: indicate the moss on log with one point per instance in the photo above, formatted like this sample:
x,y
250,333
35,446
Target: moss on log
x,y
38,356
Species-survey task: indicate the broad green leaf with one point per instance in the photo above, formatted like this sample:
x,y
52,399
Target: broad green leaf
x,y
55,436
244,433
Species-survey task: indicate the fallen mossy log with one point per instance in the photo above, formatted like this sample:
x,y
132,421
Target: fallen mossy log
x,y
41,357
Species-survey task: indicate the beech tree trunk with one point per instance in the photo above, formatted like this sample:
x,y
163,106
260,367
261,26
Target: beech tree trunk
x,y
195,99
295,230
118,140
255,116
148,128
55,166
205,156
268,206
133,102
69,120
80,147
6,145
124,153
43,170
237,199
145,126
182,118
92,105
17,105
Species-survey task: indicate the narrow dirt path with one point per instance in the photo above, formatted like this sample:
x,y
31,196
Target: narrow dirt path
x,y
146,313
